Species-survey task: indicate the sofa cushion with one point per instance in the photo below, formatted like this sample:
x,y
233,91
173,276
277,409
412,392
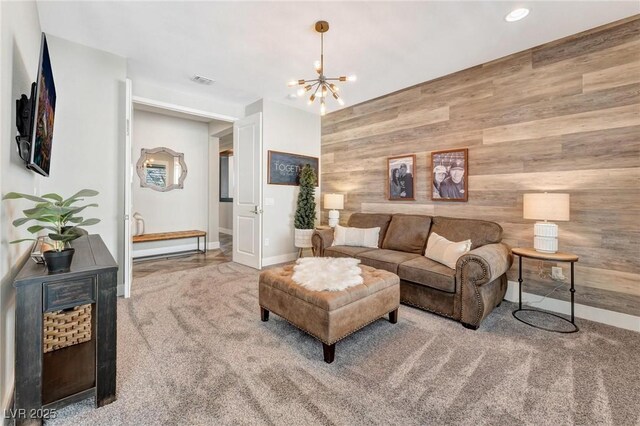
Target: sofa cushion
x,y
407,233
371,220
424,271
385,259
344,251
480,232
356,237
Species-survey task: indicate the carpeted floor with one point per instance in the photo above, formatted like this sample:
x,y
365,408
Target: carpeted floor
x,y
192,350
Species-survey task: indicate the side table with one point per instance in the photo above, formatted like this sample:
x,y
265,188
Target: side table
x,y
551,257
47,381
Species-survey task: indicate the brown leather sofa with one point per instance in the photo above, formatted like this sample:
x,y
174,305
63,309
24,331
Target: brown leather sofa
x,y
467,294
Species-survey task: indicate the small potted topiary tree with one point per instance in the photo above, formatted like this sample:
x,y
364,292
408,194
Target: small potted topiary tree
x,y
59,217
305,217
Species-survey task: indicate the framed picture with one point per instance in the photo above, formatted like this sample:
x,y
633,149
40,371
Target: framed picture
x,y
401,173
284,168
449,175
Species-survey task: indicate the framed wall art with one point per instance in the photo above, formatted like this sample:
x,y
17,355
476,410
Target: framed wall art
x,y
449,175
284,168
401,173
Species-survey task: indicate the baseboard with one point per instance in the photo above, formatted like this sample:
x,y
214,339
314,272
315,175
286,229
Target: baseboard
x,y
164,250
616,319
214,245
274,260
225,231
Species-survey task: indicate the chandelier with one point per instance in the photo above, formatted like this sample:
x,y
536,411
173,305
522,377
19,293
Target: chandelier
x,y
322,86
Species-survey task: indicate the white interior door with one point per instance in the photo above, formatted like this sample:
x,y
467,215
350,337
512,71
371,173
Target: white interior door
x,y
247,197
128,181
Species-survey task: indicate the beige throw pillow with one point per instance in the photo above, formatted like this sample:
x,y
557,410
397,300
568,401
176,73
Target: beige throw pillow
x,y
357,237
444,251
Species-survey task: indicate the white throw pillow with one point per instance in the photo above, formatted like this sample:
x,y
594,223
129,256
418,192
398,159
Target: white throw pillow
x,y
444,251
357,237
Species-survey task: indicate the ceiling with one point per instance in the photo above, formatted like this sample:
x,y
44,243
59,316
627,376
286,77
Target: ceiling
x,y
252,49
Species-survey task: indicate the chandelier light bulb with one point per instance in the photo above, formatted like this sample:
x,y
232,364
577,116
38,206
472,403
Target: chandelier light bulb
x,y
301,91
341,101
292,83
334,87
323,108
318,66
312,98
352,77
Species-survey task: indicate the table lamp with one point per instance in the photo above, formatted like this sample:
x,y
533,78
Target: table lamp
x,y
334,202
546,206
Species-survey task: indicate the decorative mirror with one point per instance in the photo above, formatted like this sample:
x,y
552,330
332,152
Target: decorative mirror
x,y
161,169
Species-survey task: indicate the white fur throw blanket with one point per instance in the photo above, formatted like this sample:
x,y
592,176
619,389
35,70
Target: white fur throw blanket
x,y
327,273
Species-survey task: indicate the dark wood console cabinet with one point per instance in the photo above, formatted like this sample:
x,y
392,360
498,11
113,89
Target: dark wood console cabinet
x,y
54,379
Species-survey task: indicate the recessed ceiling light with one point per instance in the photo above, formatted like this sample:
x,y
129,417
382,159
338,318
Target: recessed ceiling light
x,y
202,80
516,14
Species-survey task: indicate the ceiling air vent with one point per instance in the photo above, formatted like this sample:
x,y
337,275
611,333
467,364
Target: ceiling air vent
x,y
202,80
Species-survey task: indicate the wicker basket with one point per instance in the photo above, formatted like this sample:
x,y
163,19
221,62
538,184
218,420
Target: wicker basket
x,y
67,328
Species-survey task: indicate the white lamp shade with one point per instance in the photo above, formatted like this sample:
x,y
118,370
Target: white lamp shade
x,y
546,206
334,201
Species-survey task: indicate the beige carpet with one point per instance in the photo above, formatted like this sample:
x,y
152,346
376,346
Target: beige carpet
x,y
192,350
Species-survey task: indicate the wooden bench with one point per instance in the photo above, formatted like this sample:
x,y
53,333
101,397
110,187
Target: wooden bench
x,y
177,235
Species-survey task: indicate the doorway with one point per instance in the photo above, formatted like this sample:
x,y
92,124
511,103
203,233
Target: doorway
x,y
206,171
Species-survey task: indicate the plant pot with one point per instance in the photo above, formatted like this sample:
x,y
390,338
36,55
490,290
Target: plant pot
x,y
303,238
59,261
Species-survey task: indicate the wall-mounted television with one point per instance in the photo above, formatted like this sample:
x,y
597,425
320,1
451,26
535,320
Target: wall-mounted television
x,y
35,117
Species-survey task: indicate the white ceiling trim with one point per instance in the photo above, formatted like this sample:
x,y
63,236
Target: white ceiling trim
x,y
181,109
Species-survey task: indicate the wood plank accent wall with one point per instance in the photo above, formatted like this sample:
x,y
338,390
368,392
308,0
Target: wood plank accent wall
x,y
564,116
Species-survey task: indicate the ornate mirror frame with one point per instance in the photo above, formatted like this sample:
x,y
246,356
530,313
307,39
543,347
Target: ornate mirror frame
x,y
140,168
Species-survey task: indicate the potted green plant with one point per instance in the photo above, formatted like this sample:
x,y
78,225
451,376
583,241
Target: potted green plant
x,y
60,218
305,217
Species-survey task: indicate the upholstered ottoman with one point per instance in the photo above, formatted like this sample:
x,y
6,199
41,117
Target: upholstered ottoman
x,y
329,316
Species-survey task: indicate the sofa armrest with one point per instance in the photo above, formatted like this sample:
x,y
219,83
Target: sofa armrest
x,y
482,281
485,264
321,239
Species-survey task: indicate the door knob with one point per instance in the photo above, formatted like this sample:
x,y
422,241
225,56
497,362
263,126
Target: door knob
x,y
256,210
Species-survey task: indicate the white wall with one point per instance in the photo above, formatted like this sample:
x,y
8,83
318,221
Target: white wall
x,y
179,209
89,130
163,94
226,218
291,130
19,51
